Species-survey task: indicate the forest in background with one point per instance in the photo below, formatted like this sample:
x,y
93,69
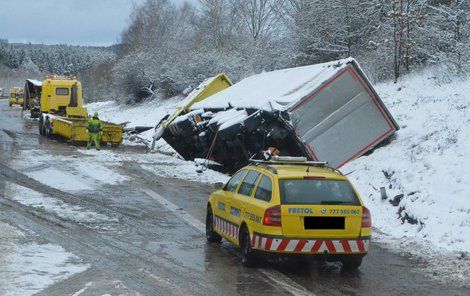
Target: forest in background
x,y
168,47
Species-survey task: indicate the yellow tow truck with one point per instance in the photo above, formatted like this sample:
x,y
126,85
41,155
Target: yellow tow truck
x,y
63,114
16,96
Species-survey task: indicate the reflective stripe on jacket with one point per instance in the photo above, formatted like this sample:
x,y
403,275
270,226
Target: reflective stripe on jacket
x,y
94,125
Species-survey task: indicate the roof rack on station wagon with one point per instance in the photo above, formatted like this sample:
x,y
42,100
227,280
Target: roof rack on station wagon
x,y
291,160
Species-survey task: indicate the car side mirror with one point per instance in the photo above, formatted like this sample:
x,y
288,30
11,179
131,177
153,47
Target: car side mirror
x,y
217,185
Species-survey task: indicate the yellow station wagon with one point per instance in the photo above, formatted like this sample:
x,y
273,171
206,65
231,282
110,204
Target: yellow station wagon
x,y
290,206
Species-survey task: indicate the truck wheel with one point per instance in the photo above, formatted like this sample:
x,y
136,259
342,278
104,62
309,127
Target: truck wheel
x,y
41,126
211,235
249,258
48,128
351,262
35,113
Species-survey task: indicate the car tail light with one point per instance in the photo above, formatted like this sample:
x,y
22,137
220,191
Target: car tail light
x,y
272,216
366,219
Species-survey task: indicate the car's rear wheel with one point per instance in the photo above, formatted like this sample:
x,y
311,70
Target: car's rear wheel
x,y
351,262
211,235
249,258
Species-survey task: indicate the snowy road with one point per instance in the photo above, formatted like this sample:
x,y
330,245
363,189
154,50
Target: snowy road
x,y
77,222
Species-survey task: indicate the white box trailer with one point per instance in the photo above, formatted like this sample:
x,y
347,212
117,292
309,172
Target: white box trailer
x,y
334,110
327,112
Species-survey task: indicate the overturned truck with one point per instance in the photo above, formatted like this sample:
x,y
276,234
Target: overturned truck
x,y
328,112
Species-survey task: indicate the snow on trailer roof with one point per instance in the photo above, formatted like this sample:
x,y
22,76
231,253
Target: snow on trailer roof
x,y
35,82
277,90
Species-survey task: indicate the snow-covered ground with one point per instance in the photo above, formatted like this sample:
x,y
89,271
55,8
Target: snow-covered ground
x,y
27,266
65,211
147,114
428,162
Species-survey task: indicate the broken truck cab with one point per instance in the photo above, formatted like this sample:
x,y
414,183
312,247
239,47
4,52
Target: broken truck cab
x,y
327,112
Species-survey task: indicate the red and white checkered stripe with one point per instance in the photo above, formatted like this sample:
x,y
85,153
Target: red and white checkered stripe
x,y
226,227
310,245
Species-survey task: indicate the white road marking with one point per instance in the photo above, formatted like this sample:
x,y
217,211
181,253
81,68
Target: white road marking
x,y
84,289
199,226
274,276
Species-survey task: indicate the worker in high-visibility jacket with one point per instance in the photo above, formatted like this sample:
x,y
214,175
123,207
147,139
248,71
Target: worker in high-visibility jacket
x,y
94,127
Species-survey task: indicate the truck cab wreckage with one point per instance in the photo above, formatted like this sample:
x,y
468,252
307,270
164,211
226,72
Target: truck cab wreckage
x,y
328,112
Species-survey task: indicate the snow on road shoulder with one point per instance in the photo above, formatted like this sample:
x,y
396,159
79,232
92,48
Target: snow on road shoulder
x,y
146,114
149,114
65,211
425,169
160,165
28,267
67,172
59,179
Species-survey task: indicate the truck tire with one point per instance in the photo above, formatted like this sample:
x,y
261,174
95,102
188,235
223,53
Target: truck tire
x,y
231,131
48,128
41,126
254,121
35,113
186,128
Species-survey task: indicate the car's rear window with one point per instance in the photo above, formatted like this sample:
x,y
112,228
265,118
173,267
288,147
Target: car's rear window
x,y
318,192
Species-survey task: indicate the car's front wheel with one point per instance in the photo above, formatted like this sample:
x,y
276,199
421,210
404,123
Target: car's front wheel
x,y
351,262
211,235
249,258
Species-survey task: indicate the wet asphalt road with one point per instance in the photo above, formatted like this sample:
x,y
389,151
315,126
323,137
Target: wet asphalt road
x,y
152,251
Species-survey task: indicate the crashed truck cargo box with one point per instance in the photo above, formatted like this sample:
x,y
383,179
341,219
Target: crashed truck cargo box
x,y
327,112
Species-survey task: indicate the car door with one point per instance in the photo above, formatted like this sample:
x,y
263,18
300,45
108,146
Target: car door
x,y
241,201
260,202
222,205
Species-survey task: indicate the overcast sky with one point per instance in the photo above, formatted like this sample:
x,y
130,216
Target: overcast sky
x,y
78,22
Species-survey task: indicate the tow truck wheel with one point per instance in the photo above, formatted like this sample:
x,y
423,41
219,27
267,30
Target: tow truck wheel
x,y
211,235
48,128
41,126
249,258
351,262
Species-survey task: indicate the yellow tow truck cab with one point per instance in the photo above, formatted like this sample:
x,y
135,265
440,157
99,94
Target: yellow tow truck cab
x,y
63,114
62,95
16,96
290,206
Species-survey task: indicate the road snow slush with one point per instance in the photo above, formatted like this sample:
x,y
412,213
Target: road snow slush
x,y
100,248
